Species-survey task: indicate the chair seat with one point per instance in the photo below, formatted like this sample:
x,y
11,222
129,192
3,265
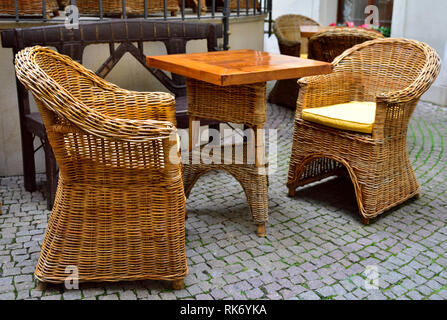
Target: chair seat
x,y
353,116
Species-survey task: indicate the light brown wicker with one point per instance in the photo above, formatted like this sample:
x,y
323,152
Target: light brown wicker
x,y
133,7
243,4
120,206
63,3
208,101
194,4
392,72
287,31
28,7
327,45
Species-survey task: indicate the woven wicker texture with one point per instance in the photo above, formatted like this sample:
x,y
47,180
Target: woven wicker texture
x,y
120,207
392,72
255,185
328,45
287,31
28,7
63,3
133,7
243,4
243,104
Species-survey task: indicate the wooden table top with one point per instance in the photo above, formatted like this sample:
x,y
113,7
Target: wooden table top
x,y
237,67
310,31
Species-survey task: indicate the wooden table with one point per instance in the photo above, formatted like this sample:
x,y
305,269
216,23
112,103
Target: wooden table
x,y
230,86
310,31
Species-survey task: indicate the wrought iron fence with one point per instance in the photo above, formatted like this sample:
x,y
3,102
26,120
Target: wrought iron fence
x,y
218,9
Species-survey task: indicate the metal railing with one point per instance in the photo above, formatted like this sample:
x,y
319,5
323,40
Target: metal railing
x,y
217,9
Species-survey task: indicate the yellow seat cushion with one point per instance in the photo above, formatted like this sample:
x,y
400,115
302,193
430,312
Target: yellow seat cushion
x,y
353,116
304,55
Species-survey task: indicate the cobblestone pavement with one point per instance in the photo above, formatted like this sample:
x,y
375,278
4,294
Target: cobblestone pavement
x,y
316,247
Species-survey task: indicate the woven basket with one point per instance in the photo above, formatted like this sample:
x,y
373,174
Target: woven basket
x,y
133,7
28,7
243,4
63,3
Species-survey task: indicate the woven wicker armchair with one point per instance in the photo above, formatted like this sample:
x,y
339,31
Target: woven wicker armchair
x,y
287,31
393,73
120,206
327,45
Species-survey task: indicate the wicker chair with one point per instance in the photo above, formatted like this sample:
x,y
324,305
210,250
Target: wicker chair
x,y
119,211
326,46
287,31
393,73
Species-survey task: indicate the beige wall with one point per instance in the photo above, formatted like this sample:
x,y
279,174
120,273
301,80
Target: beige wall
x,y
425,21
246,33
323,11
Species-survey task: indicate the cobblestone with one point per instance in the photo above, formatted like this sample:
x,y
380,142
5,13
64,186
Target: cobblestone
x,y
316,247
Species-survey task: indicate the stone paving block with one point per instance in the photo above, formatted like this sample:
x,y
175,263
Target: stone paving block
x,y
316,248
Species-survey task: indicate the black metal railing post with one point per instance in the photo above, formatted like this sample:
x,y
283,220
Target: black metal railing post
x,y
226,24
44,10
101,13
16,9
269,9
165,9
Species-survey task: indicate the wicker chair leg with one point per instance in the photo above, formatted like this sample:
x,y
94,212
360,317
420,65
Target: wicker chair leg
x,y
365,221
261,232
178,284
41,286
292,192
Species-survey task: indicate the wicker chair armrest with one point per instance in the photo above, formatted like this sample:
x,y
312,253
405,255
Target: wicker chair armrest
x,y
107,127
135,105
410,93
325,90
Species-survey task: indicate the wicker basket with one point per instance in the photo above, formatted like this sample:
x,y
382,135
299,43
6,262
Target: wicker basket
x,y
28,7
133,7
243,5
63,3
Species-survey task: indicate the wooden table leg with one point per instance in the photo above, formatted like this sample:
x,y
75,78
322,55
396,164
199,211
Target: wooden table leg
x,y
252,175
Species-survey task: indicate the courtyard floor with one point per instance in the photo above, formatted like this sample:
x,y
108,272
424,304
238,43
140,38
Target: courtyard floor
x,y
316,246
